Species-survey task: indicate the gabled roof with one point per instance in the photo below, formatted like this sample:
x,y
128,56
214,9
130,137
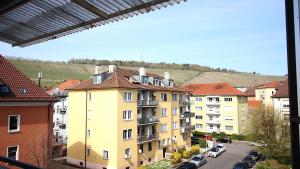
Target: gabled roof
x,y
68,84
282,91
120,79
250,92
254,103
22,88
220,89
273,84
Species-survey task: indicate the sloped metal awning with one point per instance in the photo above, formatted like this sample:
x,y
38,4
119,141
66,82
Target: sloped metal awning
x,y
27,22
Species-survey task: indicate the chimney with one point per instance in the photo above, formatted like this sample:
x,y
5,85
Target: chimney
x,y
112,68
142,71
167,75
97,70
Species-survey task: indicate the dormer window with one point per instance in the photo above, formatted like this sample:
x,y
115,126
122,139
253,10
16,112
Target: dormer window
x,y
171,83
4,90
144,79
23,91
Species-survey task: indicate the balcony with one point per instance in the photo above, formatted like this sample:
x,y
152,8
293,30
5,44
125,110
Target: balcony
x,y
146,138
213,121
184,102
215,112
213,103
187,128
147,103
148,120
187,115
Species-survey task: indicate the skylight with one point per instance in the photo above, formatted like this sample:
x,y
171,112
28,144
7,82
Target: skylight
x,y
4,90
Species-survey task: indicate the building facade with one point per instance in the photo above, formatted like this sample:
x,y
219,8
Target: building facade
x,y
124,119
218,107
264,92
281,100
25,117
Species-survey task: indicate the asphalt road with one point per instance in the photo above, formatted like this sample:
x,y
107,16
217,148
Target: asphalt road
x,y
235,152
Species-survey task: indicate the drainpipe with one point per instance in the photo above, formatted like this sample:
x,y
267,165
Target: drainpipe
x,y
85,132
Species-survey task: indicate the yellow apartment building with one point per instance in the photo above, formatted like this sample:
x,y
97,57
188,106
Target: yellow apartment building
x,y
122,119
264,92
218,107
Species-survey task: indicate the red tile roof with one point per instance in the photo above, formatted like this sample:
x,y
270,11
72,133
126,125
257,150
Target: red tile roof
x,y
250,92
273,84
120,79
254,103
68,84
16,80
214,89
282,91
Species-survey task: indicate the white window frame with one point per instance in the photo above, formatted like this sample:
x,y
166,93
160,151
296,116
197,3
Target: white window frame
x,y
198,108
88,151
174,111
164,112
163,128
228,99
126,115
128,153
17,154
127,136
105,154
199,126
89,133
198,99
19,122
199,116
174,125
126,97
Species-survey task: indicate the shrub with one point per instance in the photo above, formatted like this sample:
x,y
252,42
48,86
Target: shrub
x,y
198,133
175,158
271,164
181,150
186,154
234,137
142,167
202,143
222,134
214,134
195,149
241,137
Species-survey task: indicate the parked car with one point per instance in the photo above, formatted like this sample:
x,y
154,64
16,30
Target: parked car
x,y
195,140
257,156
187,165
199,160
214,152
240,165
249,160
221,147
224,140
207,137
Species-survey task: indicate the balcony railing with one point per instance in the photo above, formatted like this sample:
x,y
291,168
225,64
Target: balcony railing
x,y
213,121
148,120
213,103
187,115
213,112
146,138
184,102
147,103
187,128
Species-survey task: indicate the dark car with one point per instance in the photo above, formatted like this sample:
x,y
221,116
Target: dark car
x,y
257,156
187,165
249,160
240,165
224,140
195,140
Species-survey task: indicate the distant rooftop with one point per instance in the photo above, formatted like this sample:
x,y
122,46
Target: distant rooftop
x,y
15,86
282,91
220,89
250,92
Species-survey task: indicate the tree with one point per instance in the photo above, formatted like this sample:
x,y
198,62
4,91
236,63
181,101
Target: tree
x,y
267,127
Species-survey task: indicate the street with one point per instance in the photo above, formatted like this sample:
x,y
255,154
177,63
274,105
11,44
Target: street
x,y
234,153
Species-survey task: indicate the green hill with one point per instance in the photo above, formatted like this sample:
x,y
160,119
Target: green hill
x,y
56,72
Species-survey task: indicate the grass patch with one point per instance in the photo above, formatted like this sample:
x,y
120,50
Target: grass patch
x,y
163,164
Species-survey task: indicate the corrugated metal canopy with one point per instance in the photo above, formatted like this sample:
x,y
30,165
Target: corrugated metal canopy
x,y
27,22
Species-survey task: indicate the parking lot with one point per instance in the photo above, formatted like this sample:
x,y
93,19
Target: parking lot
x,y
234,153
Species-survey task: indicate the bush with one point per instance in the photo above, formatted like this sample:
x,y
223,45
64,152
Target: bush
x,y
202,143
271,164
195,149
198,134
186,154
234,137
241,137
175,158
181,150
222,134
214,134
142,167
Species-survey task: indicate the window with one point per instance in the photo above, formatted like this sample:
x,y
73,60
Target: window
x,y
127,97
199,126
174,97
174,111
229,128
150,146
163,127
149,160
145,79
163,112
174,125
211,127
141,162
4,90
228,118
90,96
217,99
23,91
13,152
89,115
127,134
105,154
210,118
199,117
209,99
127,114
228,99
141,148
198,108
163,97
13,123
127,153
198,99
88,151
88,133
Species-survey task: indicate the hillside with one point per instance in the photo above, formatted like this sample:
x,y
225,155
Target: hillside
x,y
56,72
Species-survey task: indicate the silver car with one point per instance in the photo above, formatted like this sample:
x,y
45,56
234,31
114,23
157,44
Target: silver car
x,y
199,160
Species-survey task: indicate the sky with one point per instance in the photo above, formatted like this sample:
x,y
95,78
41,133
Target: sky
x,y
244,35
